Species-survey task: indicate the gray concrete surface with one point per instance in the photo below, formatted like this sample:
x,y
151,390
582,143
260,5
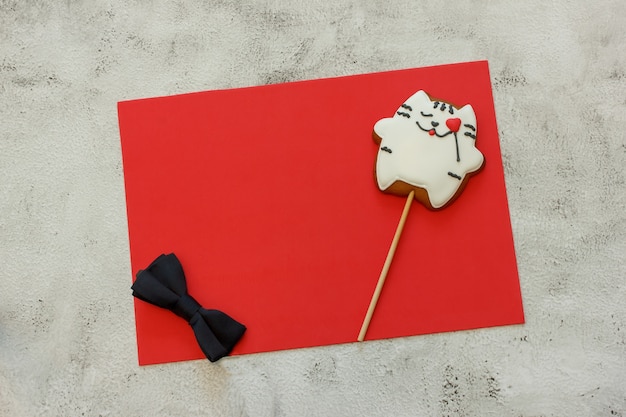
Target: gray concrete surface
x,y
67,342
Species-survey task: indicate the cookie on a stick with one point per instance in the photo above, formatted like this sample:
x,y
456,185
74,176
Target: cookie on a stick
x,y
427,152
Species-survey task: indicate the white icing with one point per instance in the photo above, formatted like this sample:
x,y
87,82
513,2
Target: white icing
x,y
424,160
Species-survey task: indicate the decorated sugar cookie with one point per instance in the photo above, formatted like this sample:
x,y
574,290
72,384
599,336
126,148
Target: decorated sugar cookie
x,y
429,147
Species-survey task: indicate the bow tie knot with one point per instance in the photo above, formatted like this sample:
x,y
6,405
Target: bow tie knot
x,y
186,307
163,284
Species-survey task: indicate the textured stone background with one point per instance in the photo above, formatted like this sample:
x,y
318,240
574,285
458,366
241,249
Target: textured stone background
x,y
67,341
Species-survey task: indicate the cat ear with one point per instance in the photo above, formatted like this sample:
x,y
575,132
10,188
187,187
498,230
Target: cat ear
x,y
420,98
466,113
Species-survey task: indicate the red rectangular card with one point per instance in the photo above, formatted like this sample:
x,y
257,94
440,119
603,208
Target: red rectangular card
x,y
267,196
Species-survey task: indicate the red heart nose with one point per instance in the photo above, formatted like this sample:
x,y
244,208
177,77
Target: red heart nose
x,y
453,124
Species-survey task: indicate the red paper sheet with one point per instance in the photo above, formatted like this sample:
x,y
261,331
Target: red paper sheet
x,y
267,196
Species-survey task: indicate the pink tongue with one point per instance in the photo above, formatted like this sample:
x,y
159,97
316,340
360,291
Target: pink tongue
x,y
431,132
453,124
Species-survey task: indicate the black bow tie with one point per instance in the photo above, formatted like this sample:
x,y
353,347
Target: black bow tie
x,y
163,284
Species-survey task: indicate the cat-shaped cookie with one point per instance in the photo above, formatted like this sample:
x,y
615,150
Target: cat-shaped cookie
x,y
428,146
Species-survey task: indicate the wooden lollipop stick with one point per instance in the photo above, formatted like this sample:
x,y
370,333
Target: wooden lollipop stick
x,y
383,273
